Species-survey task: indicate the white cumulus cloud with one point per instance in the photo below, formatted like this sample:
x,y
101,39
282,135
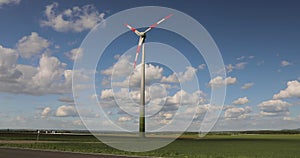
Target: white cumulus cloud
x,y
120,68
184,98
119,79
50,69
124,118
292,90
66,111
46,112
75,53
202,66
121,74
241,101
6,2
241,58
237,113
247,85
31,45
152,73
188,75
107,94
74,19
274,108
8,63
49,77
220,81
238,66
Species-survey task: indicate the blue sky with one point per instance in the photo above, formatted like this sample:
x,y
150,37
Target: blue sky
x,y
259,43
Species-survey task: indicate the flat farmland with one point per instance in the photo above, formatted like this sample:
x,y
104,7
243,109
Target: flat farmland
x,y
211,146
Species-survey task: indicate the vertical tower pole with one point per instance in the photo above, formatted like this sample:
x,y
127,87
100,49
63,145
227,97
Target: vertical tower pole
x,y
142,108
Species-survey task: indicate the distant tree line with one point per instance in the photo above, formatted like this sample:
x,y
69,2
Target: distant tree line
x,y
294,131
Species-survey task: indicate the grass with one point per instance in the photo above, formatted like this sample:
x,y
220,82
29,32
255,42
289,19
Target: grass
x,y
212,146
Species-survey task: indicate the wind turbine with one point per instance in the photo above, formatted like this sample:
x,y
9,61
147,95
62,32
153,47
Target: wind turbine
x,y
141,43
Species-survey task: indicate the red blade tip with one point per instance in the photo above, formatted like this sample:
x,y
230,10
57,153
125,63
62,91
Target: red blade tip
x,y
169,16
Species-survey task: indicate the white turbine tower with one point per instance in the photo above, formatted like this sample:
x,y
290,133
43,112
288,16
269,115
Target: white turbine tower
x,y
142,37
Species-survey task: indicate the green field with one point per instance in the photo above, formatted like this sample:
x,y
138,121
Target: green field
x,y
212,146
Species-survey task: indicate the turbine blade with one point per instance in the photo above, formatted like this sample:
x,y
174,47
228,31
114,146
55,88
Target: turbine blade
x,y
157,23
133,29
138,51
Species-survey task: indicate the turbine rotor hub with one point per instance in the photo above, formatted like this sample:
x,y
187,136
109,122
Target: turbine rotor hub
x,y
143,34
